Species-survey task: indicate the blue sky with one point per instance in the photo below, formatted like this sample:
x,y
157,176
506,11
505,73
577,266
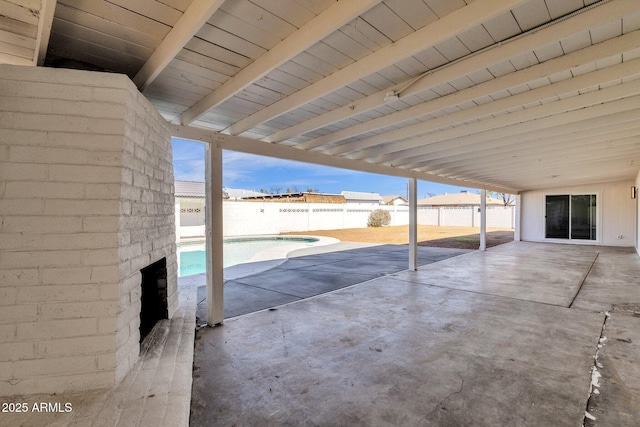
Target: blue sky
x,y
248,171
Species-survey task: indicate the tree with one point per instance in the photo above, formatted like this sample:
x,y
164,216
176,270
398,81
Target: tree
x,y
275,189
507,199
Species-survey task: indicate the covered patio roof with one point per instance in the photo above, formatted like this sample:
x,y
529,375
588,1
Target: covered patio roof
x,y
506,95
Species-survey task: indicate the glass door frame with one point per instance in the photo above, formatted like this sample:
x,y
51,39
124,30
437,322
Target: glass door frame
x,y
569,239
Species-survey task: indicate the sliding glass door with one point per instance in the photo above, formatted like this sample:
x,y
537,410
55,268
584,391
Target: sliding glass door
x,y
571,216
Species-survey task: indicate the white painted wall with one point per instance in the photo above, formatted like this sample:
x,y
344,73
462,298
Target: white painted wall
x,y
637,216
616,213
254,218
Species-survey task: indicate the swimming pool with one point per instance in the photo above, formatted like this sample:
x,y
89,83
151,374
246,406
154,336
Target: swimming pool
x,y
192,255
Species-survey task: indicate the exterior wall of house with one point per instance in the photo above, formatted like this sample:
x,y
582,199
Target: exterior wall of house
x,y
637,213
85,202
616,213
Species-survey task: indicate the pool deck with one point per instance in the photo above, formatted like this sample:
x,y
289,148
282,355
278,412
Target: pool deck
x,y
309,272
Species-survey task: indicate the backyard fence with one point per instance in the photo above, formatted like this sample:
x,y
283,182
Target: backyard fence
x,y
244,218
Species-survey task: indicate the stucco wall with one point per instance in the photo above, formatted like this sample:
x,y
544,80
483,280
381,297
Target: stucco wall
x,y
616,213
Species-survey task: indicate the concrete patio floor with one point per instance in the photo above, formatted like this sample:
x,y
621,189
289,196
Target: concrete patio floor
x,y
309,272
504,337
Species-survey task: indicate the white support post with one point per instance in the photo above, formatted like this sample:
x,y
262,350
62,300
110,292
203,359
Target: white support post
x,y
517,236
213,222
483,220
413,224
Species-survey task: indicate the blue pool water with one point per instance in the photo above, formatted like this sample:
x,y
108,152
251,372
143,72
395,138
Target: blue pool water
x,y
192,256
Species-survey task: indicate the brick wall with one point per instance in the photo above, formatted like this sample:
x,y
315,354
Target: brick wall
x,y
85,200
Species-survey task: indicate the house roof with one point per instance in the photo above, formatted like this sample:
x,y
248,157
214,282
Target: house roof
x,y
506,95
458,199
359,195
389,199
189,189
197,189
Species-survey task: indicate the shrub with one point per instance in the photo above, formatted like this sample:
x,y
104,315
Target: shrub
x,y
378,218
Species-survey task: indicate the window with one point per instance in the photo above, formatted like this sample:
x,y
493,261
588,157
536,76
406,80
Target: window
x,y
571,216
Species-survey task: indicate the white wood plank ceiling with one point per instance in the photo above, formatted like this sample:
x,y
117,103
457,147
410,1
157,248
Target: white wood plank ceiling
x,y
499,94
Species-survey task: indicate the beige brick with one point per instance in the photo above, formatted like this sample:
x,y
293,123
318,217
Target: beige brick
x,y
8,295
77,311
65,123
79,241
31,89
110,95
22,171
48,155
57,329
39,224
81,207
18,313
36,259
17,351
112,143
19,277
100,224
7,333
83,381
106,362
22,137
76,346
97,257
54,366
31,294
105,274
86,174
53,190
107,326
66,276
20,207
103,191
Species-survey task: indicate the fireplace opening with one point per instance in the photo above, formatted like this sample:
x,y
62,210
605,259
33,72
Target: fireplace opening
x,y
154,296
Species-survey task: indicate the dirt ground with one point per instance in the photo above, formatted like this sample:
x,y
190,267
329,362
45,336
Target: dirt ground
x,y
428,235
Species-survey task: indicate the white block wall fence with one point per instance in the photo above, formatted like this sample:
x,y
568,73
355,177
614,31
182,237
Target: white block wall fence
x,y
255,218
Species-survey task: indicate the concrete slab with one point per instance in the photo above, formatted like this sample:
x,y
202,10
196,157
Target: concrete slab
x,y
545,273
617,402
389,352
308,272
613,283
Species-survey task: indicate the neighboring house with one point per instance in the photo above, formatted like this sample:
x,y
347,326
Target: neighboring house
x,y
362,197
394,200
239,194
297,197
462,199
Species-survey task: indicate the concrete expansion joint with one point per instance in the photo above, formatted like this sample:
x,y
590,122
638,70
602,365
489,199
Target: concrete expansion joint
x,y
594,386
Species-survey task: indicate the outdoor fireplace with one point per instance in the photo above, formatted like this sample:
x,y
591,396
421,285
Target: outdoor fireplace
x,y
154,296
88,217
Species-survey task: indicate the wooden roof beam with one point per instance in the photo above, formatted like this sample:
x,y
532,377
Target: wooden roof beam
x,y
584,56
44,31
449,26
315,30
385,142
506,127
533,40
196,15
